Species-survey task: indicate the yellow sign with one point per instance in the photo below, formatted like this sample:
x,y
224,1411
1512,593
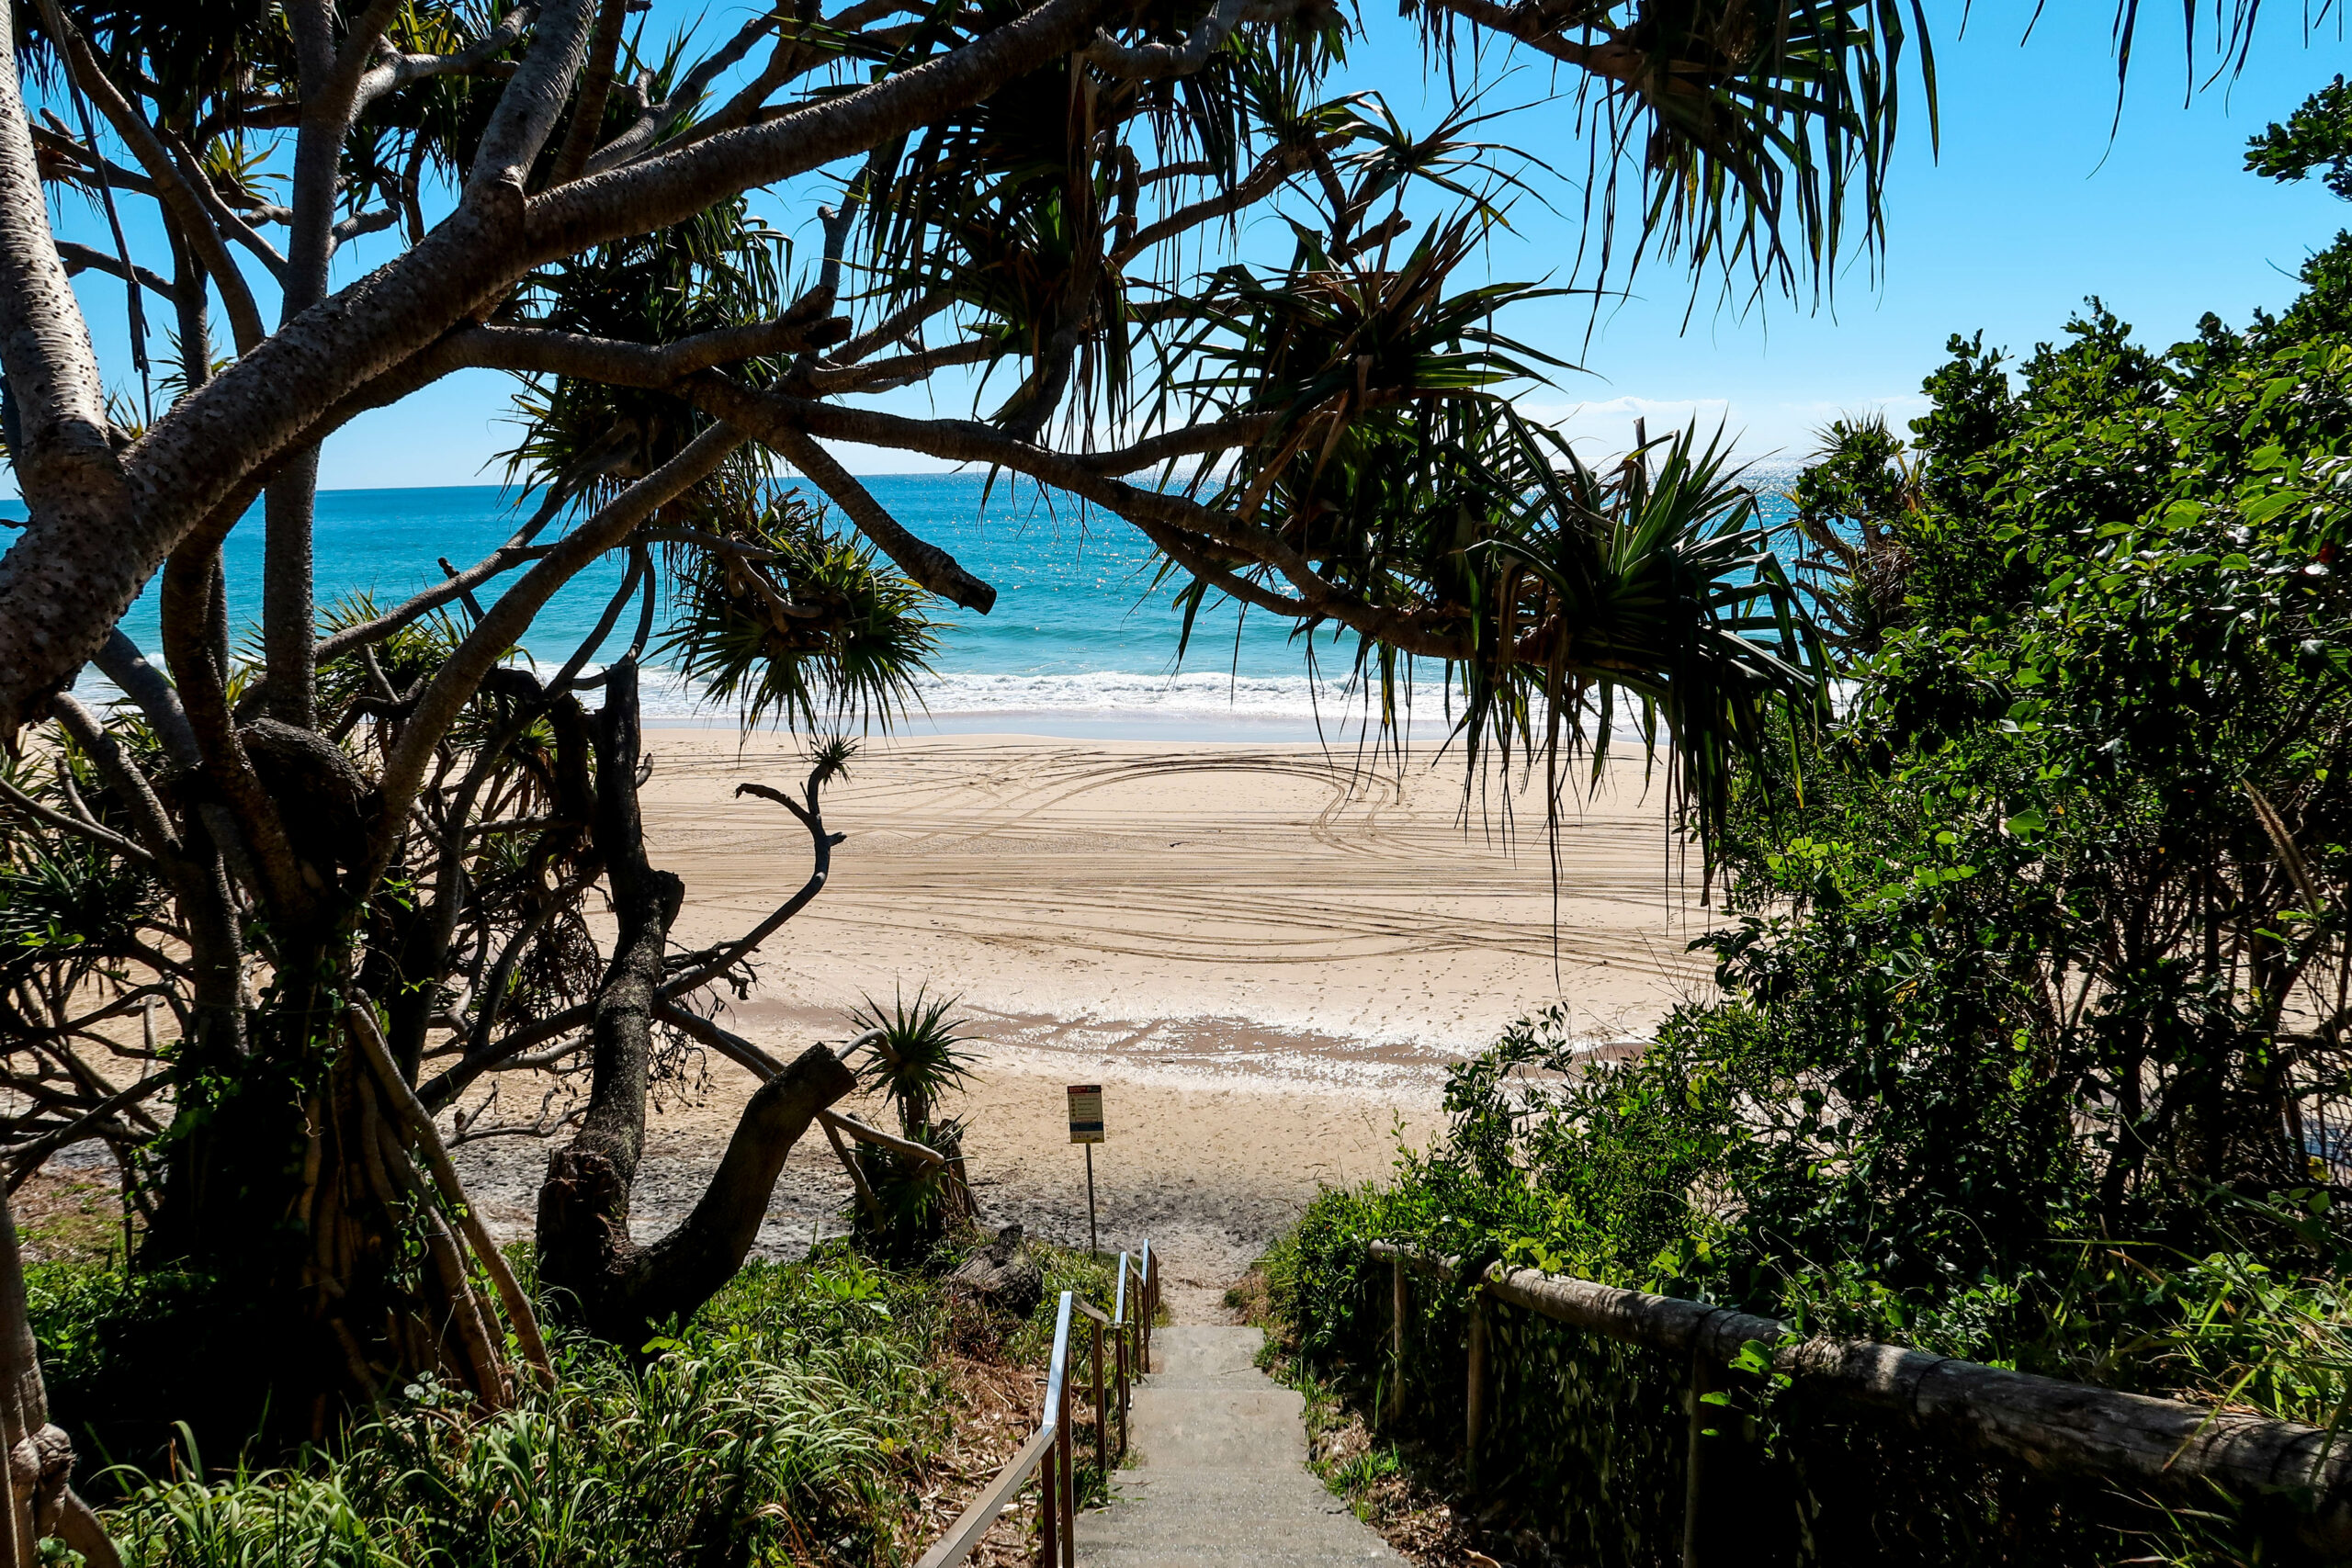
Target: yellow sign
x,y
1086,1114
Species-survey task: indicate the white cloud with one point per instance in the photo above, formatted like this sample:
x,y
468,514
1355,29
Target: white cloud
x,y
1760,431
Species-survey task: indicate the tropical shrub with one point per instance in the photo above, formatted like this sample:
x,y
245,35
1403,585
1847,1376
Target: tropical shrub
x,y
2031,1041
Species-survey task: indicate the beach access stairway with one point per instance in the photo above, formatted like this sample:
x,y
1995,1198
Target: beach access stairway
x,y
1217,1472
1207,1456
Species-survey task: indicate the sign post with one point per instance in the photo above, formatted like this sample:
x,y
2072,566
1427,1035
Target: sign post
x,y
1086,1127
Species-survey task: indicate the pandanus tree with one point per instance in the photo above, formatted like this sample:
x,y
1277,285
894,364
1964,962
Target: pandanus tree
x,y
915,1056
290,901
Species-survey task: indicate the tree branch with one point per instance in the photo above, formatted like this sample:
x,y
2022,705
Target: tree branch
x,y
543,351
898,370
80,258
768,415
79,827
920,559
401,70
1271,171
454,683
527,111
658,117
588,112
1151,60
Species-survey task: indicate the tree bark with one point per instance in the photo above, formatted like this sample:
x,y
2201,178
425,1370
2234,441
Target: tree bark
x,y
289,616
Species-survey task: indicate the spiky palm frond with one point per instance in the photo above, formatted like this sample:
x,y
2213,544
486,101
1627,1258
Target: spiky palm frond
x,y
1759,136
917,1054
1325,343
795,623
413,653
186,55
1012,209
1652,585
63,898
1565,598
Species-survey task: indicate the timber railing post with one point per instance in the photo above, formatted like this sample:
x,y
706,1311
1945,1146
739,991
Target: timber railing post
x,y
1101,1413
1050,1535
1473,1418
1119,1342
1122,1330
1067,1470
1694,1479
1400,1303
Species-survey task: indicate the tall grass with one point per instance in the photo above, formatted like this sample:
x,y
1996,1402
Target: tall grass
x,y
782,1425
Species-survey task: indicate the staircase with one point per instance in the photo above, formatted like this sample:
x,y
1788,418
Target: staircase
x,y
1217,1470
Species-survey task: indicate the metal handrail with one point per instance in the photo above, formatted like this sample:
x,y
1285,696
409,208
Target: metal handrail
x,y
1051,1446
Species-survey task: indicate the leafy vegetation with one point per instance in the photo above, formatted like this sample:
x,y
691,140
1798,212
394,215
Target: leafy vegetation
x,y
801,1417
2032,1041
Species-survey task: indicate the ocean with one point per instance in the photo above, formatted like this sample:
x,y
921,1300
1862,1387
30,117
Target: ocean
x,y
1081,642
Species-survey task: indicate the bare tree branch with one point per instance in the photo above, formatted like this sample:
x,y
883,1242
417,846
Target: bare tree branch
x,y
544,351
527,108
80,258
1114,58
399,70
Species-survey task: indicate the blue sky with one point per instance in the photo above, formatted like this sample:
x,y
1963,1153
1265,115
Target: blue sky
x,y
2030,206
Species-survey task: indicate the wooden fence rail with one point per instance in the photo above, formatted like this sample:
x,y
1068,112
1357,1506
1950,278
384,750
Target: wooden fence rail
x,y
2056,1428
1050,1452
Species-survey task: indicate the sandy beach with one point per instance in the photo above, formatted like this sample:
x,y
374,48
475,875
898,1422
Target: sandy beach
x,y
1267,954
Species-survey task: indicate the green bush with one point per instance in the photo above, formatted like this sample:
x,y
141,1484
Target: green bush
x,y
2032,1045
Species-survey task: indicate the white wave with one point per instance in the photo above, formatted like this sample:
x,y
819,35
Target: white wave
x,y
1119,696
1196,701
1110,695
1199,694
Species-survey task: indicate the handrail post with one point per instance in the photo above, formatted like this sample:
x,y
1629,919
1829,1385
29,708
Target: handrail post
x,y
1049,1533
1694,1483
1400,1306
1067,1469
1150,1300
1101,1413
1474,1423
1119,1342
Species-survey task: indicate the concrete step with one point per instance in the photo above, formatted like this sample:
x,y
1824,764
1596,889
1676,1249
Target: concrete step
x,y
1217,1470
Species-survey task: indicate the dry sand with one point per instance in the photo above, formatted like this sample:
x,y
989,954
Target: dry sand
x,y
1266,954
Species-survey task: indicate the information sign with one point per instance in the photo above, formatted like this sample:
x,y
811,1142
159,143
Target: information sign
x,y
1086,1114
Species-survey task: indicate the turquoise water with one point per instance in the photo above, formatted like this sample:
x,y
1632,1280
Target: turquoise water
x,y
1080,642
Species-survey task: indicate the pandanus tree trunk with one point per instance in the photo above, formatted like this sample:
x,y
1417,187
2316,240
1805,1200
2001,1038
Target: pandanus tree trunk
x,y
588,1260
378,1268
